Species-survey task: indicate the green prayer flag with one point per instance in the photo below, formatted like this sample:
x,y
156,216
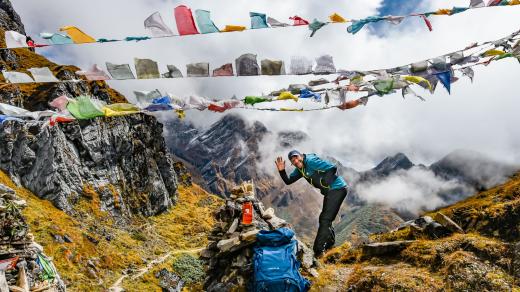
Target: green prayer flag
x,y
252,100
84,108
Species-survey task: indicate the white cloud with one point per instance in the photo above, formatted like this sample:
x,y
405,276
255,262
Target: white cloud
x,y
480,116
413,190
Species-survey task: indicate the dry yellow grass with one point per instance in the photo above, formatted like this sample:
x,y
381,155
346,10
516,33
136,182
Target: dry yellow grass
x,y
185,226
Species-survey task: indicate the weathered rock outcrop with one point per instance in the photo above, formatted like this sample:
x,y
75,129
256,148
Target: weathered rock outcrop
x,y
124,160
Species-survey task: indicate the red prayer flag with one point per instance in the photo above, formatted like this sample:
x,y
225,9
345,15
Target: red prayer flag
x,y
185,21
298,20
427,21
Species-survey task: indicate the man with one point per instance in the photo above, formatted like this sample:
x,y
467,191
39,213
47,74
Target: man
x,y
322,175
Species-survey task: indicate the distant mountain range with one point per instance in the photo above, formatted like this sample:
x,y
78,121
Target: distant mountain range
x,y
229,151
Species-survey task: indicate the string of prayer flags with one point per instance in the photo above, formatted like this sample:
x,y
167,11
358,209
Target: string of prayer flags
x,y
77,35
94,73
204,22
146,69
155,24
298,21
120,71
224,70
186,25
246,65
258,20
184,20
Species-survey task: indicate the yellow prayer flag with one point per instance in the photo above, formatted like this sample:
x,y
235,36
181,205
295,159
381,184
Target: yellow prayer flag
x,y
229,28
443,12
286,95
418,80
77,36
493,52
338,18
120,109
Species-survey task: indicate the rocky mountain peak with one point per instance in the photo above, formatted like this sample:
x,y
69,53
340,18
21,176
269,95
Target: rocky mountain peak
x,y
392,163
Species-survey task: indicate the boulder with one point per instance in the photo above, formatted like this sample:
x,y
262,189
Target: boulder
x,y
447,222
275,222
226,244
436,230
268,214
249,236
233,227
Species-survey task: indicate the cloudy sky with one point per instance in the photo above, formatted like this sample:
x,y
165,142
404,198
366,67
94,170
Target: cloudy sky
x,y
482,116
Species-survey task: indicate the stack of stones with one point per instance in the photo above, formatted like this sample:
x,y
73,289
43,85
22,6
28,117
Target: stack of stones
x,y
229,255
23,266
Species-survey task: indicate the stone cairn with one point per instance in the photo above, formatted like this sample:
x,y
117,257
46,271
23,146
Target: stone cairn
x,y
23,266
229,254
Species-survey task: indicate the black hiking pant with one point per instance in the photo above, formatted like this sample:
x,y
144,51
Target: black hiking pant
x,y
325,238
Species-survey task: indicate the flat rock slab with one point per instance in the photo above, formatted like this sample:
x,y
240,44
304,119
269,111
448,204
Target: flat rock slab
x,y
448,223
385,248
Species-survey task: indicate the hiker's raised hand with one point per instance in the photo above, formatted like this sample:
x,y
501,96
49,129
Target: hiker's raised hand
x,y
280,163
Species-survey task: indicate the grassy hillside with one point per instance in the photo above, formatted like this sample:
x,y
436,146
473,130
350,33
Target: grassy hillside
x,y
485,258
102,249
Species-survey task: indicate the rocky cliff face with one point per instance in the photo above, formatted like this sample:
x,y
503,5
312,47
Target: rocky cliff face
x,y
124,160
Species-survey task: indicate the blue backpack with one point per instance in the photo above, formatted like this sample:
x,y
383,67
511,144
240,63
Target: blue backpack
x,y
276,268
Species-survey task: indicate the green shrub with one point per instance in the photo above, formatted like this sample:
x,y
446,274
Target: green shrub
x,y
189,268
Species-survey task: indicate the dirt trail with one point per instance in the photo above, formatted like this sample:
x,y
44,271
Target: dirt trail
x,y
116,287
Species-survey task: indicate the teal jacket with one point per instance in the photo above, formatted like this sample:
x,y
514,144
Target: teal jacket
x,y
318,172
